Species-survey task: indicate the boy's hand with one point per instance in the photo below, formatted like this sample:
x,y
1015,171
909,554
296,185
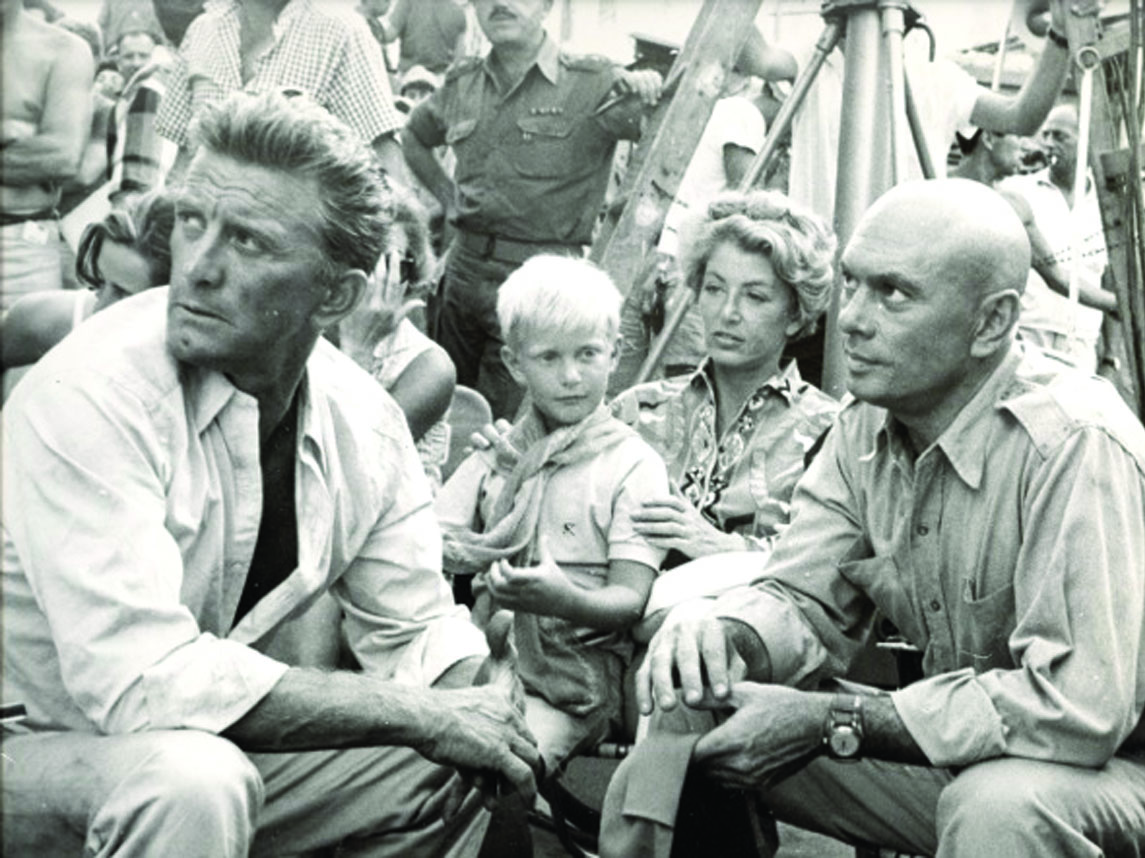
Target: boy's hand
x,y
535,589
494,436
673,523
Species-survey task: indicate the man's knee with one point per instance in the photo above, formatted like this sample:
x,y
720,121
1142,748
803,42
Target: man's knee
x,y
187,787
199,771
1000,798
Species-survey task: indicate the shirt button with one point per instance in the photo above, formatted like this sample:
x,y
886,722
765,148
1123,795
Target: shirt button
x,y
922,530
935,605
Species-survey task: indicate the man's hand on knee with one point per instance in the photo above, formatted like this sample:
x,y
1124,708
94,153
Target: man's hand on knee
x,y
772,732
693,650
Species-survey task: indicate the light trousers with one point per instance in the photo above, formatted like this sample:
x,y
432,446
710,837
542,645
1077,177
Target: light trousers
x,y
1005,807
189,794
29,259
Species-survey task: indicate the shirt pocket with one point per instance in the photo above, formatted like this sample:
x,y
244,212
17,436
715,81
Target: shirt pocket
x,y
546,146
984,632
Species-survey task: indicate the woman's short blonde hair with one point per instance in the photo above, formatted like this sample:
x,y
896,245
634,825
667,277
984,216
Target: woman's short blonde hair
x,y
798,243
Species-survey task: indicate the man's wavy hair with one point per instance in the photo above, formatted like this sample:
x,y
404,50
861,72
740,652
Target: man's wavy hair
x,y
798,243
297,136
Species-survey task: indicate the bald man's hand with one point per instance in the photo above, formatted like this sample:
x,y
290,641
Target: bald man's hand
x,y
704,653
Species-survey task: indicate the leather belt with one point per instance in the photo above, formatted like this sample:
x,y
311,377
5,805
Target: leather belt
x,y
13,219
489,246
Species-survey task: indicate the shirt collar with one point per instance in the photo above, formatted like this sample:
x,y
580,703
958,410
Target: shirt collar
x,y
289,12
209,392
966,441
786,382
548,60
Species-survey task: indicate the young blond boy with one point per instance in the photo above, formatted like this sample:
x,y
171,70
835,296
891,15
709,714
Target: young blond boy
x,y
548,530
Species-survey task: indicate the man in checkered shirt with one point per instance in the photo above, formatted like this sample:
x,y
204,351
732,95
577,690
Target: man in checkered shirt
x,y
260,45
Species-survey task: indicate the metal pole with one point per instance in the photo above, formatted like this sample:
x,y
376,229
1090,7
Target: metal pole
x,y
860,179
1003,44
917,132
828,39
893,27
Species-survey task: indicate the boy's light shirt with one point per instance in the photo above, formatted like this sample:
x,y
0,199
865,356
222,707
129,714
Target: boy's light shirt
x,y
586,512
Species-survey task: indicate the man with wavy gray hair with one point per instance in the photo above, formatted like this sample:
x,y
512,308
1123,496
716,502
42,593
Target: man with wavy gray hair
x,y
188,474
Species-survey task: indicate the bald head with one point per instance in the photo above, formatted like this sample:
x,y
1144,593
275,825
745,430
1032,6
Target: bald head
x,y
965,232
933,273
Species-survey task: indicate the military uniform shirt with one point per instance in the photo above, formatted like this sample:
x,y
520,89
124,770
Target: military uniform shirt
x,y
532,162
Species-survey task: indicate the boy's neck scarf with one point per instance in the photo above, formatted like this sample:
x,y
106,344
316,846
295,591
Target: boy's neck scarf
x,y
513,524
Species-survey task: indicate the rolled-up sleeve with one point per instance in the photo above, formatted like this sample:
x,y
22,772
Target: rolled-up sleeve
x,y
427,121
812,620
1078,602
85,476
401,621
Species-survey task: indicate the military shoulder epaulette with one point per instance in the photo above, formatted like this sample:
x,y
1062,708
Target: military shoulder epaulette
x,y
586,62
465,65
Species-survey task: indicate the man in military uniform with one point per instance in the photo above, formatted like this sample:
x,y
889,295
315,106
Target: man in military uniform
x,y
533,130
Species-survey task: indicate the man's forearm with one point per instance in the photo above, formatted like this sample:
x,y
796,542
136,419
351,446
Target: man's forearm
x,y
428,170
885,736
311,709
1057,279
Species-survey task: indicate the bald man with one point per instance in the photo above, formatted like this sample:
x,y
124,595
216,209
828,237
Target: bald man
x,y
990,502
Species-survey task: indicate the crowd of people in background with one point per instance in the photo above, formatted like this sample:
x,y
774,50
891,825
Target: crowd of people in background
x,y
253,253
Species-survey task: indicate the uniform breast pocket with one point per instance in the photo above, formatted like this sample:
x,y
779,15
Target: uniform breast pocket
x,y
984,640
545,146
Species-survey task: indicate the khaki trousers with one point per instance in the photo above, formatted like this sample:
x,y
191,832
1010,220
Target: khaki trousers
x,y
189,794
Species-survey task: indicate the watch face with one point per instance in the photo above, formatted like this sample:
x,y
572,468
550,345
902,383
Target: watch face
x,y
844,742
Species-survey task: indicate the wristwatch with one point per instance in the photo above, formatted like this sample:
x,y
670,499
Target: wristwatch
x,y
843,732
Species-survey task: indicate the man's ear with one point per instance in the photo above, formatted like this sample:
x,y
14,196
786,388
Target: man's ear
x,y
997,317
341,296
509,358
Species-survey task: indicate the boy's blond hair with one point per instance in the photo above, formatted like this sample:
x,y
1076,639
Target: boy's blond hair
x,y
551,291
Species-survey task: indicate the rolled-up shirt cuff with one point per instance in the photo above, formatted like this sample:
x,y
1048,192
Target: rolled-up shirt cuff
x,y
636,552
445,641
792,649
952,719
207,684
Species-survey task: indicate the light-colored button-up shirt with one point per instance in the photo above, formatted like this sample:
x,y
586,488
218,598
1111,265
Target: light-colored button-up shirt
x,y
326,52
132,499
1011,551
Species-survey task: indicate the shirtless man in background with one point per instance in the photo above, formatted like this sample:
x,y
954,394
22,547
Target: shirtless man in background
x,y
45,115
